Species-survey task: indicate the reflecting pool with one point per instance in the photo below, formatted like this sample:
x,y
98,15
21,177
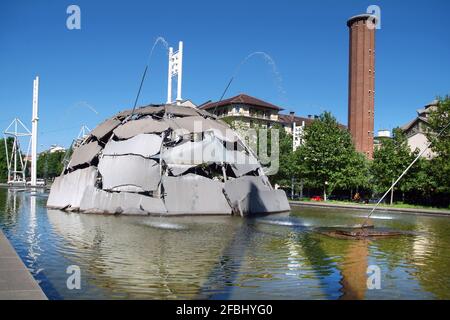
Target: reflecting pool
x,y
273,257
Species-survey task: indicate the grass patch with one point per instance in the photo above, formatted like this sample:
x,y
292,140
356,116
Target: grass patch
x,y
400,205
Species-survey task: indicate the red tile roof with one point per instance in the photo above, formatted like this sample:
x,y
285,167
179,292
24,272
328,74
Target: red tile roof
x,y
241,98
289,119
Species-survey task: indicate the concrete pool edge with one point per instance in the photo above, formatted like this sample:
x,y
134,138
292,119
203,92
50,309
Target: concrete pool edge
x,y
16,282
423,212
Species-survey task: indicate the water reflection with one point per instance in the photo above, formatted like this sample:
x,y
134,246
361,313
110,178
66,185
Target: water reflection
x,y
32,235
138,260
275,257
354,277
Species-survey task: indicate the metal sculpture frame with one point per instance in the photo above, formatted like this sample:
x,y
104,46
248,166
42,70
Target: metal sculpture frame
x,y
17,164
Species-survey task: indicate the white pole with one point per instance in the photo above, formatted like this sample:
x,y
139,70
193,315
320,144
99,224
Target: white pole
x,y
294,129
34,129
15,157
169,77
180,70
15,151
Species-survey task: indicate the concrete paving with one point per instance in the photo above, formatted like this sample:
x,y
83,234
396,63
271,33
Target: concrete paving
x,y
16,282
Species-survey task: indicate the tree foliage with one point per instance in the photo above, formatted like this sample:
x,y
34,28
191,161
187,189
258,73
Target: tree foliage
x,y
390,160
438,120
50,164
287,164
328,159
3,162
428,181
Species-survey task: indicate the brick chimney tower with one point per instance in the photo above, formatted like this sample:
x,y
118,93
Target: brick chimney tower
x,y
362,82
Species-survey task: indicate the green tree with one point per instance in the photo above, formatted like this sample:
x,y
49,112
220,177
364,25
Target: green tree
x,y
287,167
438,119
357,173
328,159
3,162
423,185
50,164
390,160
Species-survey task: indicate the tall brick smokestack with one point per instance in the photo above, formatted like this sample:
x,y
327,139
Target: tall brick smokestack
x,y
361,83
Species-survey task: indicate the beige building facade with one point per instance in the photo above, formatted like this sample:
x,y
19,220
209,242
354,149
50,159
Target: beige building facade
x,y
416,129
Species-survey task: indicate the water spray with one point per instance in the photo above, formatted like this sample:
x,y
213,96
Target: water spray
x,y
166,45
269,60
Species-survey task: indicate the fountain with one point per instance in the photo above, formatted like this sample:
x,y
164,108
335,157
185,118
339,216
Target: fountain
x,y
166,159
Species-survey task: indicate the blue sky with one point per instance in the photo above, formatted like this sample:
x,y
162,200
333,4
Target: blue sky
x,y
100,65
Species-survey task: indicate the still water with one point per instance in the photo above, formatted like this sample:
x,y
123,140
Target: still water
x,y
275,257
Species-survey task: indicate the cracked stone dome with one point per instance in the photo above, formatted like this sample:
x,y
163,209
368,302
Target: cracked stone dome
x,y
164,160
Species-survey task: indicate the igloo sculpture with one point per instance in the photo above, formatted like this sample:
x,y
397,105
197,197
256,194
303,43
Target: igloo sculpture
x,y
164,160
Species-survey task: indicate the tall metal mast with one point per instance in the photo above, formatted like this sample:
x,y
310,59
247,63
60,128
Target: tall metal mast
x,y
175,68
34,130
